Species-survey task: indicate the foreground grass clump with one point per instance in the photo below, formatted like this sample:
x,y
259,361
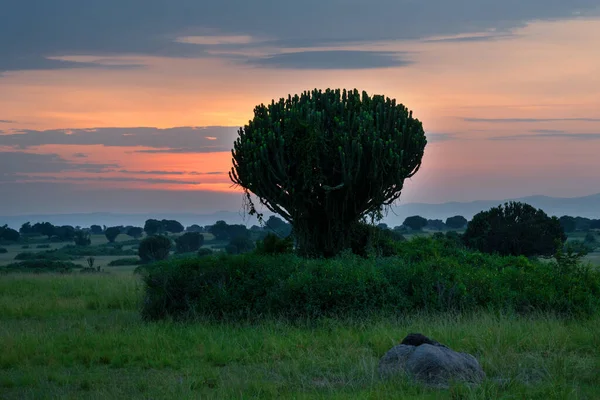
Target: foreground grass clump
x,y
427,275
80,336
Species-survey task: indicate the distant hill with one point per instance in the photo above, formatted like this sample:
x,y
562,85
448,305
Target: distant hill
x,y
587,206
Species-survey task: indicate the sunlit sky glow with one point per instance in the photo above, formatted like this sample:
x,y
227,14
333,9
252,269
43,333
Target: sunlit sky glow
x,y
131,99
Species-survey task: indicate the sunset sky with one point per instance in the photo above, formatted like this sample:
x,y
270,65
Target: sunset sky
x,y
133,106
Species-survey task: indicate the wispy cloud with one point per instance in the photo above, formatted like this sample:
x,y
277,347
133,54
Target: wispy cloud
x,y
550,135
21,162
532,120
182,28
172,140
332,59
123,171
7,121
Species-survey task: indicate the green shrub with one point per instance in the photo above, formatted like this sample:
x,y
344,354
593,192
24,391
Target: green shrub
x,y
205,251
273,244
3,250
430,275
39,266
124,261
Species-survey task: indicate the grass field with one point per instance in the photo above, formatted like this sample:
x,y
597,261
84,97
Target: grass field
x,y
80,336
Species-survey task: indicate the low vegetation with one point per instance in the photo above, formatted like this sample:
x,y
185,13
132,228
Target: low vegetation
x,y
427,275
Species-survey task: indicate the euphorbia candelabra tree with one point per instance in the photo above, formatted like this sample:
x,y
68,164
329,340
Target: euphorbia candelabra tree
x,y
325,159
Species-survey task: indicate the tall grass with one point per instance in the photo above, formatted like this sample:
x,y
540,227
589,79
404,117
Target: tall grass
x,y
81,336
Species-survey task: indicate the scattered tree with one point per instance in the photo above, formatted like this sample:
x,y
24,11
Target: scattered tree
x,y
220,230
382,226
189,241
325,159
96,230
82,238
135,232
26,229
64,233
172,226
9,234
456,222
416,222
154,248
515,229
153,227
194,228
568,223
112,233
435,224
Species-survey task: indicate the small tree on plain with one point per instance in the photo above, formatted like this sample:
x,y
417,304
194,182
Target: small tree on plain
x,y
456,222
416,222
96,230
189,241
82,238
514,229
154,248
112,233
135,232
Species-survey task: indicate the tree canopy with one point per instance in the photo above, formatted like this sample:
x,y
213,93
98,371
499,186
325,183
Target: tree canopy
x,y
324,160
515,229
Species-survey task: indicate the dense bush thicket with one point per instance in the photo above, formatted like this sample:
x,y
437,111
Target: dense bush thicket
x,y
124,261
428,274
515,229
102,250
39,266
3,250
51,255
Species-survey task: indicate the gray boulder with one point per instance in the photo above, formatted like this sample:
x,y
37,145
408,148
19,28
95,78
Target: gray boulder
x,y
430,362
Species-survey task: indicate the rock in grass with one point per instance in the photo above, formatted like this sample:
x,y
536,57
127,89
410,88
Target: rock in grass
x,y
430,362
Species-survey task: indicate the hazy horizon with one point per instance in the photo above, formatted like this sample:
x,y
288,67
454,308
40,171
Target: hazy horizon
x,y
131,105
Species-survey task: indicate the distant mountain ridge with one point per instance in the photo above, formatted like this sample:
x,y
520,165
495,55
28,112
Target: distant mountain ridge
x,y
585,206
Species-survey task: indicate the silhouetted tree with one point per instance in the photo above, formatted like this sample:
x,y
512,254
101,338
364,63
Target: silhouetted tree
x,y
514,229
26,229
435,224
326,159
278,226
568,223
112,233
189,241
135,232
153,227
64,233
82,238
415,222
194,228
456,222
154,248
96,229
383,226
220,230
44,228
9,234
172,226
582,224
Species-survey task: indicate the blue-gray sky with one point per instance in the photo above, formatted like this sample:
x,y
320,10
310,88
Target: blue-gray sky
x,y
99,97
